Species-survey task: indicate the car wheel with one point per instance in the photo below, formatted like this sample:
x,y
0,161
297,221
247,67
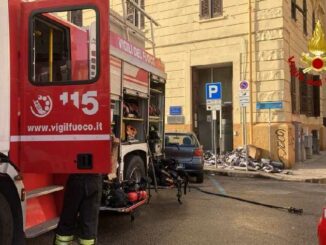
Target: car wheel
x,y
135,169
6,222
200,178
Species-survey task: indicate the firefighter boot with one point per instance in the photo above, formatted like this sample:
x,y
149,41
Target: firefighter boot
x,y
86,241
63,240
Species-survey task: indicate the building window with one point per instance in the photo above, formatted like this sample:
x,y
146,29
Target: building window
x,y
316,96
294,93
303,10
134,16
211,8
76,17
310,96
303,95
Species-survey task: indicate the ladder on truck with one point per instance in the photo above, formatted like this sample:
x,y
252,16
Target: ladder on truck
x,y
131,27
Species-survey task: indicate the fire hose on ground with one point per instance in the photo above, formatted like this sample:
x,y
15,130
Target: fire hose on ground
x,y
180,179
292,210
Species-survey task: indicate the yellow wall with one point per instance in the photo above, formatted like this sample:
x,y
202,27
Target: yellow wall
x,y
89,16
184,41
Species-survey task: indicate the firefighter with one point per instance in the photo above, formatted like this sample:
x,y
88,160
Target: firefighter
x,y
80,210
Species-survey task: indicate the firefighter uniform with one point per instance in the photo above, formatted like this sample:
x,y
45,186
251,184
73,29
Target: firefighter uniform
x,y
80,209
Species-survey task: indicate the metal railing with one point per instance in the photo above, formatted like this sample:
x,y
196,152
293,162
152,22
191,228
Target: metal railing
x,y
129,26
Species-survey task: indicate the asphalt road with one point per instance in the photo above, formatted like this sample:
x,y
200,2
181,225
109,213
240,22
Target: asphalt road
x,y
207,219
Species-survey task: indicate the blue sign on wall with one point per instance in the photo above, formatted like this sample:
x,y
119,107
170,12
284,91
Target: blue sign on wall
x,y
269,105
175,110
213,91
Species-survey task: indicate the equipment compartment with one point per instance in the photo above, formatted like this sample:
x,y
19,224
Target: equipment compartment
x,y
134,120
156,116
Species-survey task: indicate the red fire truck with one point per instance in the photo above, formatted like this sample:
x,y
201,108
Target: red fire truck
x,y
74,77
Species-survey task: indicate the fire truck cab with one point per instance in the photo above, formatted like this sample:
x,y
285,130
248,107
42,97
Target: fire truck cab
x,y
78,94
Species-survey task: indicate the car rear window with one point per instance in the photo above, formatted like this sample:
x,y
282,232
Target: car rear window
x,y
180,139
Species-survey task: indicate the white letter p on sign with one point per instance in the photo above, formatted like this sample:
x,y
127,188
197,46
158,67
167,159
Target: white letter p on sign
x,y
212,90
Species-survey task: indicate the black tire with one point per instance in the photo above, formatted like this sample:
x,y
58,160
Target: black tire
x,y
6,222
135,169
200,178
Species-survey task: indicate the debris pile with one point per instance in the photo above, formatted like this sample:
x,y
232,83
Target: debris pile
x,y
237,159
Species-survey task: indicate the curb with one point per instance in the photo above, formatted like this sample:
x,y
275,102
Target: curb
x,y
251,174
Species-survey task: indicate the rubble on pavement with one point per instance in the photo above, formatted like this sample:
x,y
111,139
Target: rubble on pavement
x,y
238,160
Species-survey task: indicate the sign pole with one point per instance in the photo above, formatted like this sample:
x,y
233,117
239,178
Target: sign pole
x,y
212,130
244,102
269,135
213,103
212,124
220,140
245,133
242,124
214,134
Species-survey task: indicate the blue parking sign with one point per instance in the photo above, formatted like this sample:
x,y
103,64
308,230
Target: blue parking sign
x,y
213,91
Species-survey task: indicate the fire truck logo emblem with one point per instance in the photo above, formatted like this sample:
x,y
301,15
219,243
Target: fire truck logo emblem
x,y
316,59
42,106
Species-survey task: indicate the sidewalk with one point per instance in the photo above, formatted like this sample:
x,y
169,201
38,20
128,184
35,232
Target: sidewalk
x,y
312,171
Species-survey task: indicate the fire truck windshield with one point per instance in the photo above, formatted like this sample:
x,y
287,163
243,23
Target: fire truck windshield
x,y
63,47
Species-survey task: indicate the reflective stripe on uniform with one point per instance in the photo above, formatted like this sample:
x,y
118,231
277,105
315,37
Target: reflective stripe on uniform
x,y
63,240
57,242
86,241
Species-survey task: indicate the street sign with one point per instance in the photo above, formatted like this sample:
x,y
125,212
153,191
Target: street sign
x,y
244,93
269,105
175,110
244,98
216,106
213,91
244,85
213,96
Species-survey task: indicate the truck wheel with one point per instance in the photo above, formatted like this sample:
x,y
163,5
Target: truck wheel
x,y
135,169
6,222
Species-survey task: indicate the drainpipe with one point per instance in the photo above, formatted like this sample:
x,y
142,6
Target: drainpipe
x,y
250,73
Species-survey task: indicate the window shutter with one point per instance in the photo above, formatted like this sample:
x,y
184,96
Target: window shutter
x,y
134,16
304,14
294,9
217,8
130,13
142,18
76,17
309,99
293,94
204,8
316,97
303,94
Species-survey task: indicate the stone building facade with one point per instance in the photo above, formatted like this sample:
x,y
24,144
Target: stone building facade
x,y
203,41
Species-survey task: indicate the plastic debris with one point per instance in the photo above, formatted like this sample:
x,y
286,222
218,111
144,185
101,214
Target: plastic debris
x,y
238,160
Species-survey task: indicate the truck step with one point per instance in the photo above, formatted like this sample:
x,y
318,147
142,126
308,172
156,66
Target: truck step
x,y
43,191
41,228
125,209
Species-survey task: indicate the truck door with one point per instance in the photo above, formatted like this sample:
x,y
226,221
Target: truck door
x,y
64,90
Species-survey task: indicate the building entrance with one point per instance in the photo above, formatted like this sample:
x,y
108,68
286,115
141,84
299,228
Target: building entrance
x,y
202,119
